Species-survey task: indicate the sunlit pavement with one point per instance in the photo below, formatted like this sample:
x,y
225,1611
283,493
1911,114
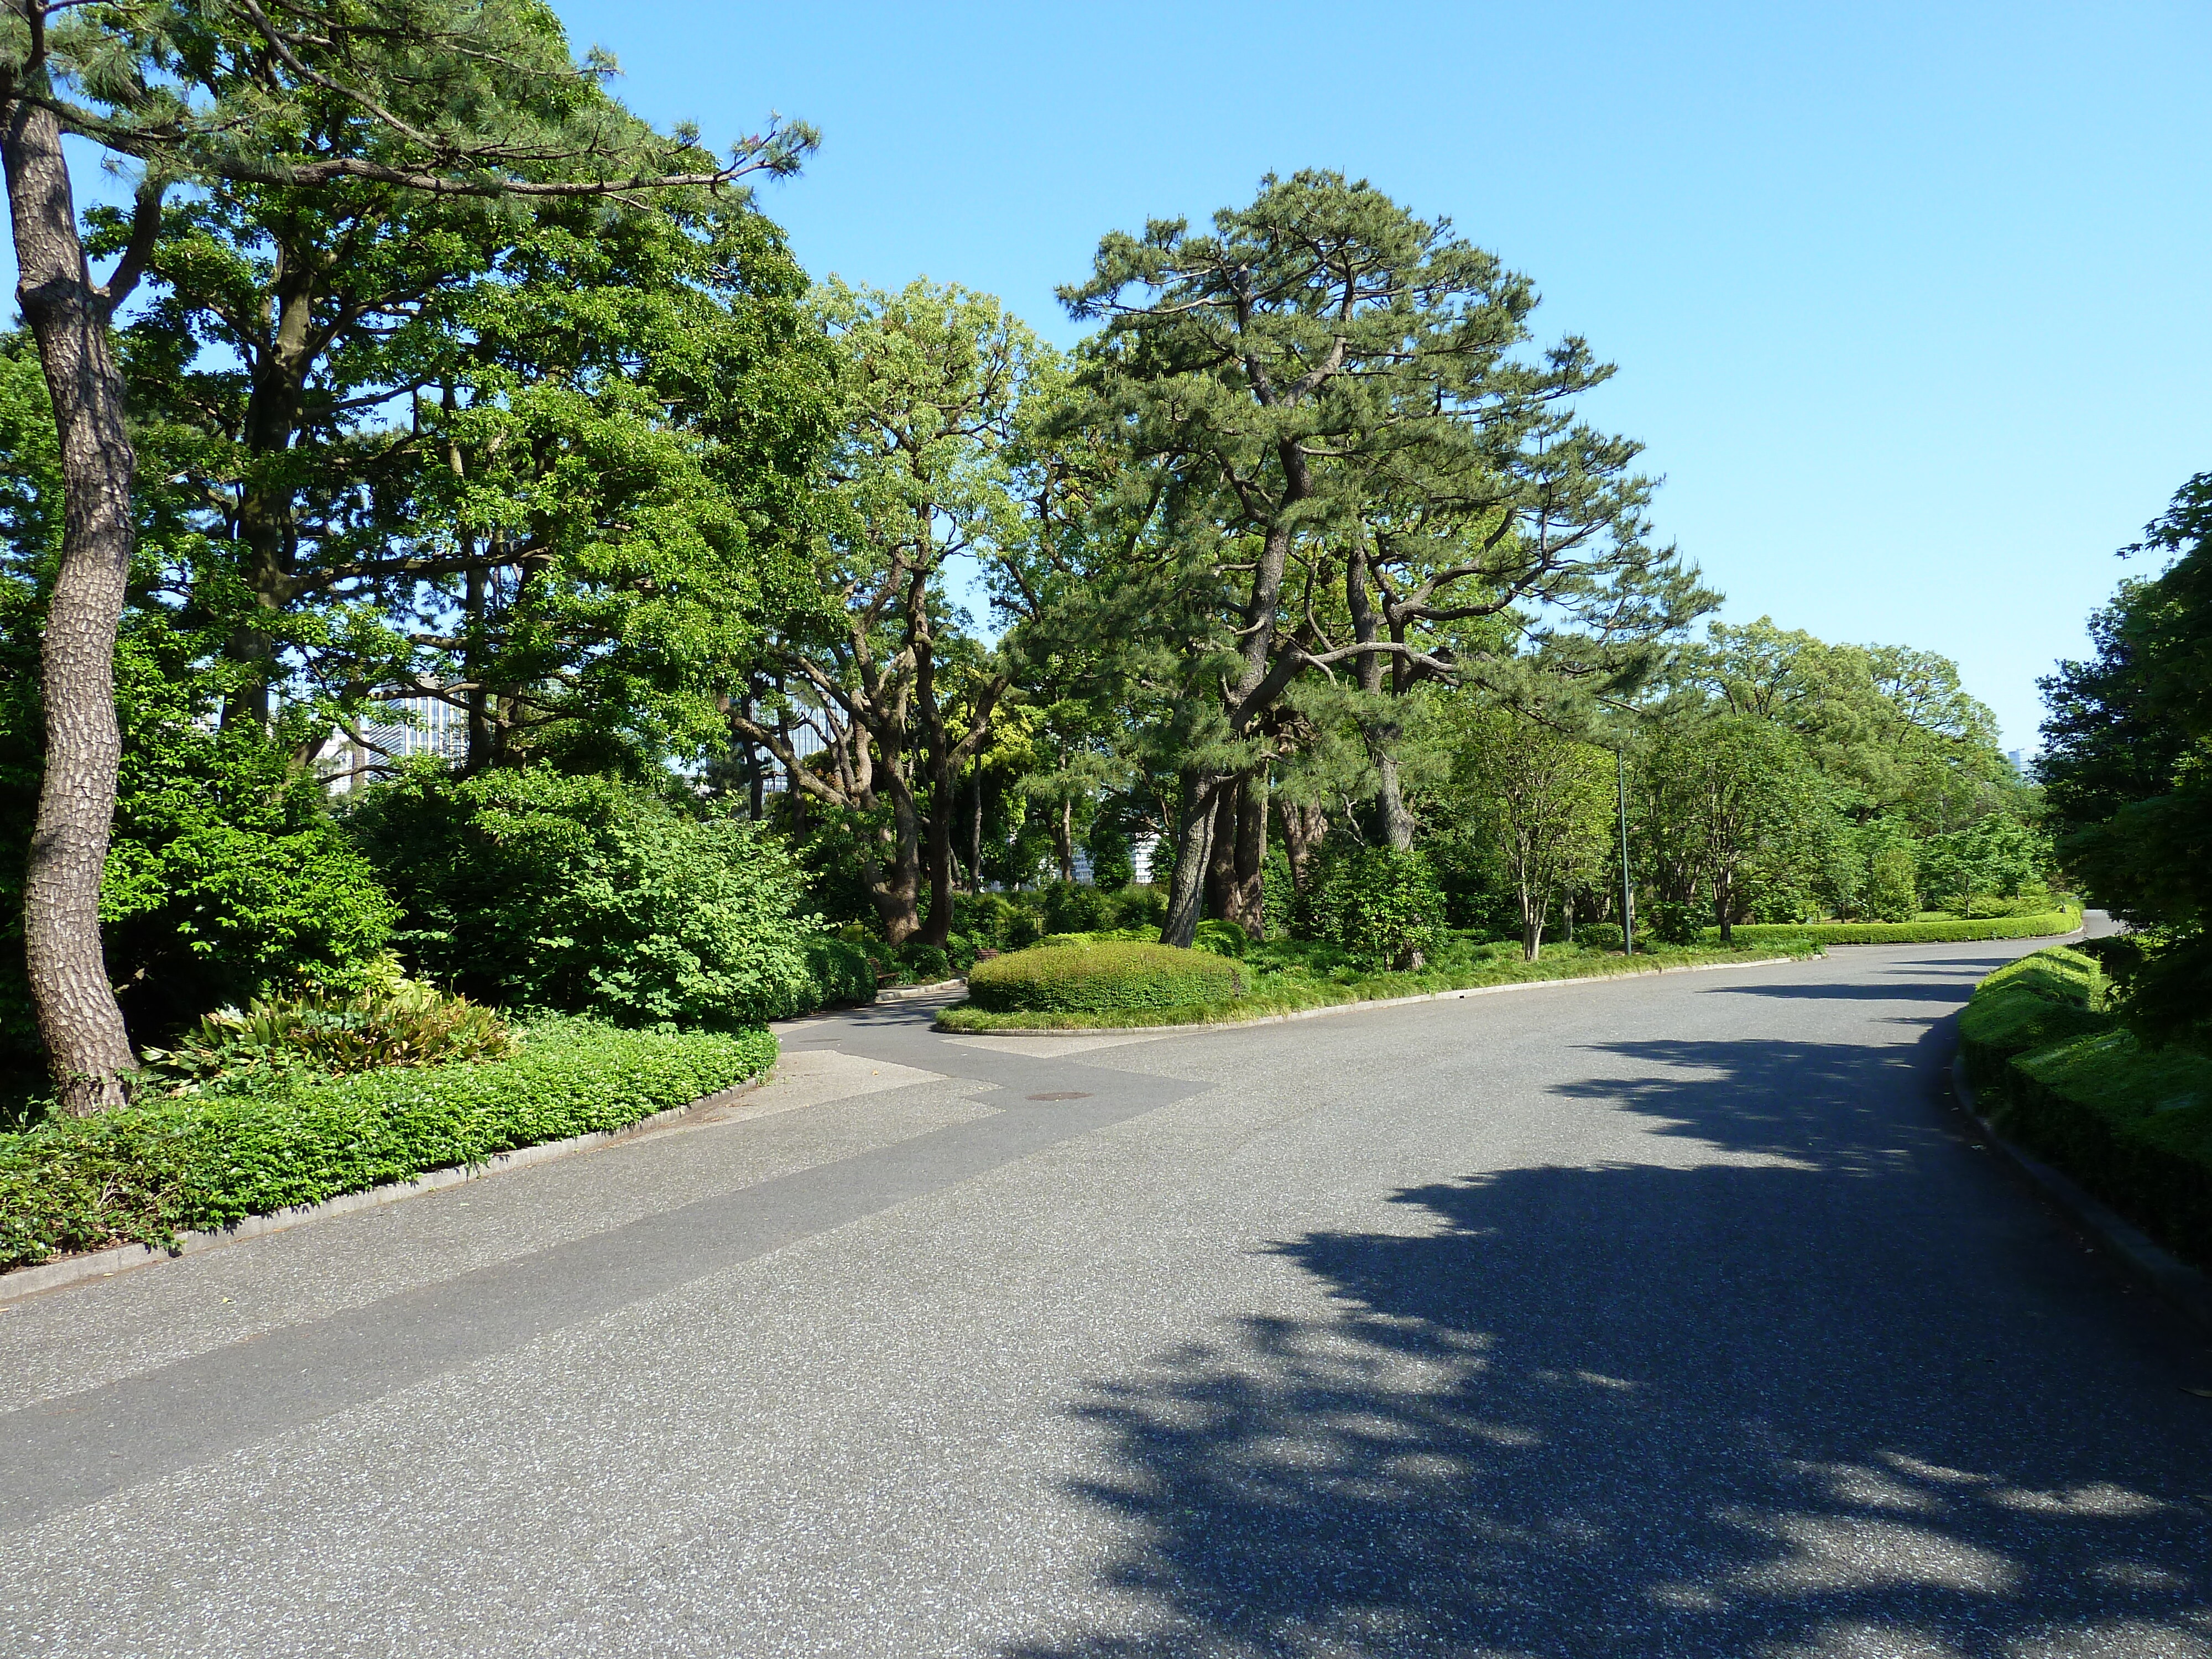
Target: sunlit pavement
x,y
1678,1315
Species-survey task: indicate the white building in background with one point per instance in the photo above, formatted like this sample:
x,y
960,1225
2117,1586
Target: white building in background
x,y
415,726
1141,852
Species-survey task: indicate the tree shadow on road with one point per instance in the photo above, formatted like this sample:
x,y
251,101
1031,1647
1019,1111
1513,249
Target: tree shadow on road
x,y
1822,1383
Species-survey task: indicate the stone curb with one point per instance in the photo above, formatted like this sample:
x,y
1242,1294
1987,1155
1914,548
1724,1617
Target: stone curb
x,y
1354,1007
2185,1287
121,1258
914,993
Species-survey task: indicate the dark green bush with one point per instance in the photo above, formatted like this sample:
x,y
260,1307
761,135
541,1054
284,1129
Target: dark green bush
x,y
841,970
165,1166
924,964
1073,908
1102,979
1223,939
530,888
1599,935
1137,906
226,880
1380,906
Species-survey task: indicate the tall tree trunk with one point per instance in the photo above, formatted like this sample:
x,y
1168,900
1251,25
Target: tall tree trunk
x,y
975,832
1390,796
938,864
1063,838
1246,905
87,1044
1724,904
1221,852
895,884
1194,833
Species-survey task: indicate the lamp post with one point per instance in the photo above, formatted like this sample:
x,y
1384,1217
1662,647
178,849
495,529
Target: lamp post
x,y
1628,888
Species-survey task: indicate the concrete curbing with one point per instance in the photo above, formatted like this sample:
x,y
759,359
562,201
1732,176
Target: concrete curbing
x,y
122,1258
1354,1007
916,992
2185,1287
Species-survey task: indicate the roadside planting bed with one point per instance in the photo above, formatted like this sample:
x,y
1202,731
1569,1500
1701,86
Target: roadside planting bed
x,y
145,1173
2057,1071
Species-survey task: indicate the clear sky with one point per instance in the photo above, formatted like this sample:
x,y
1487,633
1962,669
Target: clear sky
x,y
1910,301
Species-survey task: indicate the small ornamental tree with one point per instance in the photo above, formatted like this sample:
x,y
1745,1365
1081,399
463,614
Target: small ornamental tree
x,y
1541,801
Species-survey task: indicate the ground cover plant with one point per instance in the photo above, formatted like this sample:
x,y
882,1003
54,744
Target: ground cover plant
x,y
1287,977
2053,1065
170,1164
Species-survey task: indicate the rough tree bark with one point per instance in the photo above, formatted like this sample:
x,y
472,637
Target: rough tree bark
x,y
1194,835
79,1020
1246,904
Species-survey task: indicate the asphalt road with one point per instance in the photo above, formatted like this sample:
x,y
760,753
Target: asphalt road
x,y
1680,1316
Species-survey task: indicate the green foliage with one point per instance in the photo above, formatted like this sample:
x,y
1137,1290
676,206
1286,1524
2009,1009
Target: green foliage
x,y
1893,886
144,1174
2057,1069
1223,939
841,972
1379,906
528,889
333,1034
1540,802
2128,770
1995,855
1095,978
1073,908
1910,933
226,880
1600,936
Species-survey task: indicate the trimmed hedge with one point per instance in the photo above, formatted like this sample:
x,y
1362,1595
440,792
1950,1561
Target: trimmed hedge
x,y
146,1173
1274,995
2060,1074
1098,979
1906,933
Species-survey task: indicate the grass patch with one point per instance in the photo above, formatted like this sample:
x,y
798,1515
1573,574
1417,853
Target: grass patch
x,y
2057,1071
146,1173
1953,932
1289,978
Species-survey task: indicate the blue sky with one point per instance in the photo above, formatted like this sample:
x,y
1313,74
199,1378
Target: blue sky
x,y
1910,302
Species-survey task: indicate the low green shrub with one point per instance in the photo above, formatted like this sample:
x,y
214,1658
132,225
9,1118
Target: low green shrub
x,y
1138,907
1380,906
1223,939
329,1033
147,1172
1908,933
527,888
841,972
1599,935
2055,1069
1325,979
1073,908
1102,978
924,964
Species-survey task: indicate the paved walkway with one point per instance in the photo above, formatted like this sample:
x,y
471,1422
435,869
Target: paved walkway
x,y
1671,1316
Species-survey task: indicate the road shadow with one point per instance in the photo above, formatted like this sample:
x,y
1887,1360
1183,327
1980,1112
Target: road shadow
x,y
1836,1389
